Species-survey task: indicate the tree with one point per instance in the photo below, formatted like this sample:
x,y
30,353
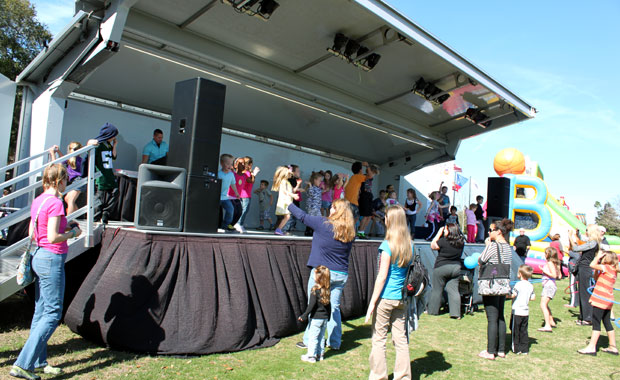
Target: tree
x,y
22,37
608,217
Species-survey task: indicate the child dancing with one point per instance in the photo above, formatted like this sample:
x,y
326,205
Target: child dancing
x,y
286,196
550,273
606,263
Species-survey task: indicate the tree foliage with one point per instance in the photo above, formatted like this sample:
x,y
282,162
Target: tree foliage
x,y
22,36
608,217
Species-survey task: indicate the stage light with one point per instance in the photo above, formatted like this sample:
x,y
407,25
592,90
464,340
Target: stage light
x,y
361,51
429,91
245,4
340,40
354,53
477,117
372,60
267,7
351,48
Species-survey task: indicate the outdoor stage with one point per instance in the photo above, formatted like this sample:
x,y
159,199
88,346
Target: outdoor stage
x,y
176,293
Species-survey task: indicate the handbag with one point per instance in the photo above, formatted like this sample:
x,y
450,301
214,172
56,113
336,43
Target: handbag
x,y
25,274
494,279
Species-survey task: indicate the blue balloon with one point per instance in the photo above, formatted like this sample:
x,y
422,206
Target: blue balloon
x,y
471,261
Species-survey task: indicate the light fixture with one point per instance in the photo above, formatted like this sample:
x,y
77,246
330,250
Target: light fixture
x,y
372,60
477,117
263,11
267,7
340,40
353,52
429,91
361,51
351,48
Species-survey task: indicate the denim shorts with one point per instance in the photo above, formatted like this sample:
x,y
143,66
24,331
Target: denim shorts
x,y
326,204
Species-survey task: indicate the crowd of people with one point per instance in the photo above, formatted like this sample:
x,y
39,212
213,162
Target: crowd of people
x,y
339,209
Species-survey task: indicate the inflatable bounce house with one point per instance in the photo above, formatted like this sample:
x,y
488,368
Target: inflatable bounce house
x,y
533,208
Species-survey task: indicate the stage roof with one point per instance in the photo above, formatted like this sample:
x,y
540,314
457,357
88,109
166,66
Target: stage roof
x,y
283,83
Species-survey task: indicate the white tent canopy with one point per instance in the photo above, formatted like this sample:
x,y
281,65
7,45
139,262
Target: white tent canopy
x,y
281,80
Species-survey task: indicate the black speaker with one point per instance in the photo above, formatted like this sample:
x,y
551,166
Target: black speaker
x,y
498,197
195,138
160,198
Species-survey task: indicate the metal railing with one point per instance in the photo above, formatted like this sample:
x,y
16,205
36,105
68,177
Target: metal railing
x,y
24,213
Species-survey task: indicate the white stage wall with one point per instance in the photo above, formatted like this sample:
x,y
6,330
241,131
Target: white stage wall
x,y
82,121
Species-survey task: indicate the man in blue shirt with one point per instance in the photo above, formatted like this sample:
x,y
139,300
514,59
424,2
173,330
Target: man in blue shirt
x,y
156,151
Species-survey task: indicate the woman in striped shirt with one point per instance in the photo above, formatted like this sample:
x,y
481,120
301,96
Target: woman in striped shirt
x,y
494,305
602,299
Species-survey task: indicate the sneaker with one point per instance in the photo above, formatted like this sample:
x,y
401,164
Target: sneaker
x,y
230,227
48,369
322,357
309,359
300,345
279,232
239,228
260,228
23,374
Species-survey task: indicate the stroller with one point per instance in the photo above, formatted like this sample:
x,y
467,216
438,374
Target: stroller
x,y
466,290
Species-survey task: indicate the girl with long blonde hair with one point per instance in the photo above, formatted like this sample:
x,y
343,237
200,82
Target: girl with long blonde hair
x,y
319,309
285,196
386,307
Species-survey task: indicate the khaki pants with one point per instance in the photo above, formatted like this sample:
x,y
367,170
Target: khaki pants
x,y
389,312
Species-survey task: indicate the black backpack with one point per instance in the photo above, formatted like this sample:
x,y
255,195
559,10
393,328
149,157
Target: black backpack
x,y
417,279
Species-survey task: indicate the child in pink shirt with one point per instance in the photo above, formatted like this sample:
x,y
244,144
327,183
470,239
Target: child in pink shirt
x,y
471,223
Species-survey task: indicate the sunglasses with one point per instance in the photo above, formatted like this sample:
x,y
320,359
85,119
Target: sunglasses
x,y
494,229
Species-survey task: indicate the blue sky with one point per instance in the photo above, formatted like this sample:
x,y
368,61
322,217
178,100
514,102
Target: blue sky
x,y
559,56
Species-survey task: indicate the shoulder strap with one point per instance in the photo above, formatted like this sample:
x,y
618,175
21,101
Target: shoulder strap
x,y
499,252
36,219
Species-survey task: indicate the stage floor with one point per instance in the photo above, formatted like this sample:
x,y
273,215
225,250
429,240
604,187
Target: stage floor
x,y
250,234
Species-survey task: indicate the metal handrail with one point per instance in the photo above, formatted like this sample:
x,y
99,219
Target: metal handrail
x,y
21,162
38,170
90,180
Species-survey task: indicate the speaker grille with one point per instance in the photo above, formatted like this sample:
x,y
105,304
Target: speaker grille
x,y
160,207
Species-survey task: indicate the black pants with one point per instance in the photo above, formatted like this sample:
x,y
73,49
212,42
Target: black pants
x,y
520,337
446,277
599,315
108,199
585,308
496,324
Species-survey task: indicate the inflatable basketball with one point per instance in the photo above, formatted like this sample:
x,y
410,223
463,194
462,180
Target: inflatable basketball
x,y
509,161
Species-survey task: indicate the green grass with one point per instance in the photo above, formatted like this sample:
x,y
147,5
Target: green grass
x,y
442,349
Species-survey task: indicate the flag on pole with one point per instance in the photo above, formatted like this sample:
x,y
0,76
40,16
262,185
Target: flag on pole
x,y
457,169
459,182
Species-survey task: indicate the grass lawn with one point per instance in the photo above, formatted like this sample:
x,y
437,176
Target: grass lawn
x,y
441,349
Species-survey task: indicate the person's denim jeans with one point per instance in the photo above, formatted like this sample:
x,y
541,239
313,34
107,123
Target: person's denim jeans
x,y
316,335
49,294
334,327
245,206
229,211
411,222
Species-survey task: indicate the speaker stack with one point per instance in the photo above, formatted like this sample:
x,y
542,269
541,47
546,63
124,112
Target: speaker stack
x,y
195,138
498,198
160,198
